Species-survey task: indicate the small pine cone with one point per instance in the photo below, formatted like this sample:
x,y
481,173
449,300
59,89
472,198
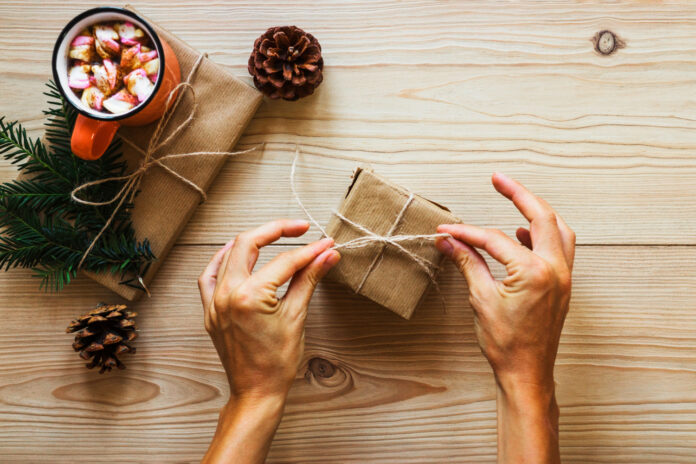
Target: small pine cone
x,y
102,335
286,63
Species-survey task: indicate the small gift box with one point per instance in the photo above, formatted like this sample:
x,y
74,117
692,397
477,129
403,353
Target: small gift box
x,y
386,238
224,105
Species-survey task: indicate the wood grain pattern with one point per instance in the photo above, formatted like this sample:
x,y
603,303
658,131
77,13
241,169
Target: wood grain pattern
x,y
373,388
436,96
458,89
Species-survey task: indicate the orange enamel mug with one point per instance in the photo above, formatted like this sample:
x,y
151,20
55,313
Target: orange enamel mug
x,y
94,130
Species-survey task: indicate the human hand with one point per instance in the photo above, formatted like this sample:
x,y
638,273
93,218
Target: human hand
x,y
518,320
258,336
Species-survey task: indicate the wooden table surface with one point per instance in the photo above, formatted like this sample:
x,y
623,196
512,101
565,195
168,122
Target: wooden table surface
x,y
436,96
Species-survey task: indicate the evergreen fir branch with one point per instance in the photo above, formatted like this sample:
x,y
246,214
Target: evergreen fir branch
x,y
42,228
52,247
18,194
29,156
29,238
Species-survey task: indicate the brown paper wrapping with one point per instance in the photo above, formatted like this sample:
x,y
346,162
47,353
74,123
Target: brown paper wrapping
x,y
396,281
165,204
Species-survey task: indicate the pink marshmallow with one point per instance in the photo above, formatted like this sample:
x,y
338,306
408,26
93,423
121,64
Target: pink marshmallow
x,y
78,78
82,40
111,72
147,56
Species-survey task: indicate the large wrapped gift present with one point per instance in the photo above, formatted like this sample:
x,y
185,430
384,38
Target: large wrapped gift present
x,y
224,107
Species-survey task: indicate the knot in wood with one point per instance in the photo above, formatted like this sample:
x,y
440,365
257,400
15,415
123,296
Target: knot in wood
x,y
321,368
606,42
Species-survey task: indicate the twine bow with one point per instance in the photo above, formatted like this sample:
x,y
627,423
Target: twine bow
x,y
370,237
133,180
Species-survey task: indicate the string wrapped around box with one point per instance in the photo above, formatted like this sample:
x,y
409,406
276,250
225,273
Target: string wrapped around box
x,y
372,257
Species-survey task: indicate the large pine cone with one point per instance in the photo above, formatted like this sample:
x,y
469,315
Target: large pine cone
x,y
102,335
286,63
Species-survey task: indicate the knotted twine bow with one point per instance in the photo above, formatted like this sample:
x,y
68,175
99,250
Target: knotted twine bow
x,y
370,237
133,180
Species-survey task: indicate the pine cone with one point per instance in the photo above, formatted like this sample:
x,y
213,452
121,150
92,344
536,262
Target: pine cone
x,y
102,335
286,63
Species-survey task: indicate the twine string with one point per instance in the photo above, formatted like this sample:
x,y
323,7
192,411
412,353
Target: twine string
x,y
383,244
133,180
371,237
293,168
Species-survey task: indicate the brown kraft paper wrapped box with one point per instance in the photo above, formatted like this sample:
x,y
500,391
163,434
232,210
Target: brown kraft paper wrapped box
x,y
378,271
165,204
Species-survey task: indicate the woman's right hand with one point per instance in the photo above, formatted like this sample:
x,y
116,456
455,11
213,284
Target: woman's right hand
x,y
518,320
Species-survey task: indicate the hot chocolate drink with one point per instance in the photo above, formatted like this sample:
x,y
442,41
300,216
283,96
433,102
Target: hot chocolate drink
x,y
113,66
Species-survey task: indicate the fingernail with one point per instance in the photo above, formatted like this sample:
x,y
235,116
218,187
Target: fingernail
x,y
331,260
445,247
500,175
300,222
326,242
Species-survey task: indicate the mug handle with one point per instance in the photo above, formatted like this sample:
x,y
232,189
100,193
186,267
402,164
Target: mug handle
x,y
91,137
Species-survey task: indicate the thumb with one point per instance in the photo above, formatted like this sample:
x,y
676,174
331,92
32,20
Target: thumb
x,y
468,260
303,283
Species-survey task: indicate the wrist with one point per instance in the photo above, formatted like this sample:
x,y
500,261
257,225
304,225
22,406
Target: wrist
x,y
517,387
254,406
528,399
527,421
245,429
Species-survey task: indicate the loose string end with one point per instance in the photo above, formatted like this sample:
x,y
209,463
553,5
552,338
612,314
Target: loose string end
x,y
293,168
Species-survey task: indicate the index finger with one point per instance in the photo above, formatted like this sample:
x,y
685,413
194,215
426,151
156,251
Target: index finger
x,y
501,247
287,264
544,231
245,251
